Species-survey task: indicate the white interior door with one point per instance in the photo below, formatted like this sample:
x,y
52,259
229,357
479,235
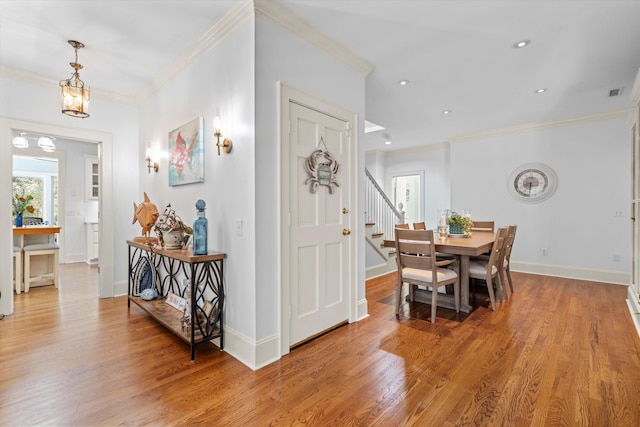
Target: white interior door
x,y
319,239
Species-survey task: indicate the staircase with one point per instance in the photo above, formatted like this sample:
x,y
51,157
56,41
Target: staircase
x,y
381,217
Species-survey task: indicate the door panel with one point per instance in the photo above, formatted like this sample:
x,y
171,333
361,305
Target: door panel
x,y
319,261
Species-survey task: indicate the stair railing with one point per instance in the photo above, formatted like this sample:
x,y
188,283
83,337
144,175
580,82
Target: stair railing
x,y
379,209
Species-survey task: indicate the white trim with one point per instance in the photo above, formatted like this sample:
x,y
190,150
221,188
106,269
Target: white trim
x,y
540,125
254,354
283,18
287,94
39,79
571,272
635,92
105,155
210,38
363,309
634,308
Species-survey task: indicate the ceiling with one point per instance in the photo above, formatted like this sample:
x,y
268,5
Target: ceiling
x,y
456,54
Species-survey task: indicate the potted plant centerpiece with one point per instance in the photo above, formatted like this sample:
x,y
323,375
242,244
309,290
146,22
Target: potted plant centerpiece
x,y
172,232
21,204
459,225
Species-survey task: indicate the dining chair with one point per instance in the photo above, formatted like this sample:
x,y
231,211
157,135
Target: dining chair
x,y
419,226
483,226
402,226
506,263
418,266
489,269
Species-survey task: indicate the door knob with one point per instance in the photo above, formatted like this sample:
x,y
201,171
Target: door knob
x,y
345,210
345,232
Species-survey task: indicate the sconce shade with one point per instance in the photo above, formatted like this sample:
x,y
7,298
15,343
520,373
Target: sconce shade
x,y
20,141
46,144
75,97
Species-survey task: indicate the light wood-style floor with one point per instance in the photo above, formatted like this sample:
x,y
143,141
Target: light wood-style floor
x,y
560,352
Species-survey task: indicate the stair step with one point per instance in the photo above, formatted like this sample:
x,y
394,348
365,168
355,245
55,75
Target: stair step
x,y
369,224
377,234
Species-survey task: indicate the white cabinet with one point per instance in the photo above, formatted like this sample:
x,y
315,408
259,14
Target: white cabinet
x,y
93,242
92,177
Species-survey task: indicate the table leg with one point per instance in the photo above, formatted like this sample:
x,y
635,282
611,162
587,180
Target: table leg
x,y
464,284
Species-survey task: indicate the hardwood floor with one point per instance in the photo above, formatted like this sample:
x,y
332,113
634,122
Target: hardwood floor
x,y
559,352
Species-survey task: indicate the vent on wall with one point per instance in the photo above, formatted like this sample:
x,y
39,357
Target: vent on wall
x,y
615,92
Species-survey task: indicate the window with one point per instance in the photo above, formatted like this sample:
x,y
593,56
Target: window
x,y
39,178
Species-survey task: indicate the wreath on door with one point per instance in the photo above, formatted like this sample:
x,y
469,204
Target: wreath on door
x,y
322,172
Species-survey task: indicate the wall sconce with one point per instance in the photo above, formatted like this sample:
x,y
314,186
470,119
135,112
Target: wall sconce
x,y
226,143
150,166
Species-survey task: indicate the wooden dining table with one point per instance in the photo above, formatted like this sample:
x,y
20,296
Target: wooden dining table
x,y
463,247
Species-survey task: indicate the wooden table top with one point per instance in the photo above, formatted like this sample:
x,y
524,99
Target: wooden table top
x,y
478,243
36,229
185,255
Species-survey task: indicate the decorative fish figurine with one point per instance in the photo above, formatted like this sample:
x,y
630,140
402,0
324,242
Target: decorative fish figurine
x,y
146,214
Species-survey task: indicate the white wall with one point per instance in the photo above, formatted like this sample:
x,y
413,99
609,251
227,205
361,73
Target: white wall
x,y
282,57
219,84
577,224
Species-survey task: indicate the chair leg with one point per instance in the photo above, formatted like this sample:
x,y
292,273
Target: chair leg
x,y
27,269
509,277
434,302
456,294
491,294
399,299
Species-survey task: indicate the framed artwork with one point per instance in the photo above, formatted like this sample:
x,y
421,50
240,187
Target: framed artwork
x,y
186,153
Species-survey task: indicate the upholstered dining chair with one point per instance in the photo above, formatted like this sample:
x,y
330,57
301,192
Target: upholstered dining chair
x,y
418,266
483,226
506,264
489,268
419,226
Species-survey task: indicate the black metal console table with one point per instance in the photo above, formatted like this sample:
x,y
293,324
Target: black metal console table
x,y
202,286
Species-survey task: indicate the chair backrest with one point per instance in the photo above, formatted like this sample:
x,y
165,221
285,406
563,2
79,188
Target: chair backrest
x,y
483,226
419,226
497,250
415,249
402,226
508,243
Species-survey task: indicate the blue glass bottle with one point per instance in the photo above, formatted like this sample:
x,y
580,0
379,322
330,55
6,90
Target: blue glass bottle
x,y
200,230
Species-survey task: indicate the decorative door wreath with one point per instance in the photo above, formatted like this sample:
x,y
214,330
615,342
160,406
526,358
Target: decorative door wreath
x,y
322,173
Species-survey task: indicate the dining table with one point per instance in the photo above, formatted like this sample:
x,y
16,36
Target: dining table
x,y
463,247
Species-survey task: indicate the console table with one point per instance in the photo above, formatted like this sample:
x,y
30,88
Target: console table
x,y
196,278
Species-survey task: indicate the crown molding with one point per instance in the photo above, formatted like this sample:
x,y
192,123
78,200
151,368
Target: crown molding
x,y
211,37
540,125
39,79
277,14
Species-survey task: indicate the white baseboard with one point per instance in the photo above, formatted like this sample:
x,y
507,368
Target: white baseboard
x,y
363,309
254,354
121,288
73,258
634,308
605,276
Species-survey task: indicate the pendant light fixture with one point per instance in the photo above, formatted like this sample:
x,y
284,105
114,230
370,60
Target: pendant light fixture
x,y
75,97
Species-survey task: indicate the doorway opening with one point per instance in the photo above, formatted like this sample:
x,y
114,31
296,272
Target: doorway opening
x,y
407,196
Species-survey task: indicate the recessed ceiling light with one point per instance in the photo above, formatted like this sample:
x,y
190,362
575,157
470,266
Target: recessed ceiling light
x,y
521,43
446,112
544,89
387,143
403,82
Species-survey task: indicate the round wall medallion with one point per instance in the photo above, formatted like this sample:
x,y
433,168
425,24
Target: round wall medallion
x,y
532,182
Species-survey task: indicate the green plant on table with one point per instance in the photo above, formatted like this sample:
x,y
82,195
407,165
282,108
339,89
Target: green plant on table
x,y
463,222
